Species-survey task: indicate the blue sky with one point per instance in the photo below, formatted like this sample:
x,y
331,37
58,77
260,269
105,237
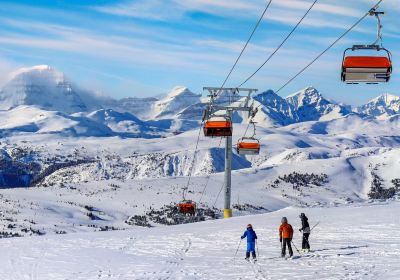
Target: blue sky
x,y
146,47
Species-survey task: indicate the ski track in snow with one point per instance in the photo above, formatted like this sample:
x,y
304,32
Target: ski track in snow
x,y
353,242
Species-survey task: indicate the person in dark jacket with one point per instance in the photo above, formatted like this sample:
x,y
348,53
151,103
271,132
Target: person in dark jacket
x,y
285,237
305,228
251,241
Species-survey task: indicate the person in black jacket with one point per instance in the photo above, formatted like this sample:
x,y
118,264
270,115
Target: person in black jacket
x,y
305,228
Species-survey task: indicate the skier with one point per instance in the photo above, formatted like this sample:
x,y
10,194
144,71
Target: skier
x,y
251,242
305,227
285,237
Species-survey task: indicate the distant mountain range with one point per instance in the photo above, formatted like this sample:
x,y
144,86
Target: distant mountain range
x,y
84,113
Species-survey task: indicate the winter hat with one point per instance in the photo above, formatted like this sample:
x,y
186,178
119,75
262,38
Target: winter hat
x,y
284,220
249,226
302,215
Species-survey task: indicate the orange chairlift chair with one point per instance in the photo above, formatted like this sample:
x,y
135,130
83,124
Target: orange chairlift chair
x,y
366,69
248,146
187,207
218,127
371,69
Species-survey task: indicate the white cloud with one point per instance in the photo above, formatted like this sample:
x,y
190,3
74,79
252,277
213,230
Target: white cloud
x,y
174,9
150,9
326,8
7,67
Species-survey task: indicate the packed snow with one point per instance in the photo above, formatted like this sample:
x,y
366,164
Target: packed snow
x,y
360,241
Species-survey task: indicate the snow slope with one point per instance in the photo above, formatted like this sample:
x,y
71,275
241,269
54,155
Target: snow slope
x,y
117,176
360,241
30,119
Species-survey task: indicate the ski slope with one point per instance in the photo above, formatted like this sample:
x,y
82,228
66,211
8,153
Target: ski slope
x,y
360,241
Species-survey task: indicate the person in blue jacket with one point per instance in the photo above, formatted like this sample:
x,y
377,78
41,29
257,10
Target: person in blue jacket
x,y
251,241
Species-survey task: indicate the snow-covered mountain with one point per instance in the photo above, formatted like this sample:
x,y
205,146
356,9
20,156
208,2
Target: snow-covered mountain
x,y
383,106
46,88
309,105
177,111
125,123
275,108
176,101
305,105
140,107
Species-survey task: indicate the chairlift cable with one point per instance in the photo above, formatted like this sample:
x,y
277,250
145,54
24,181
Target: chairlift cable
x,y
193,162
335,42
245,45
275,51
281,44
208,179
328,48
216,200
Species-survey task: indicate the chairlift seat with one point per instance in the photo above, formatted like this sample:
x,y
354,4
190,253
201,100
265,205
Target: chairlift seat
x,y
187,207
369,69
217,128
246,147
366,69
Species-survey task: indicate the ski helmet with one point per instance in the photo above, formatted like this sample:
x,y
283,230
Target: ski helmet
x,y
284,220
249,226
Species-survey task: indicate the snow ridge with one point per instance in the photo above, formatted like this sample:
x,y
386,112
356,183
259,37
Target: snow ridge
x,y
178,111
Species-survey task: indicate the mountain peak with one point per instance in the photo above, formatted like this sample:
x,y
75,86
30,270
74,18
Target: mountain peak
x,y
308,91
387,98
307,96
39,74
180,91
44,87
36,68
178,99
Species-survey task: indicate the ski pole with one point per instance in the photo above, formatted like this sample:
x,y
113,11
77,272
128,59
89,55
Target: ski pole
x,y
295,247
314,226
258,253
237,250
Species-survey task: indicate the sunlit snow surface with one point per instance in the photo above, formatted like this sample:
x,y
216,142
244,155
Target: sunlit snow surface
x,y
353,242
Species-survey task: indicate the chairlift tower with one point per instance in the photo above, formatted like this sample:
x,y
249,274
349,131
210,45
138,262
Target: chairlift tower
x,y
223,103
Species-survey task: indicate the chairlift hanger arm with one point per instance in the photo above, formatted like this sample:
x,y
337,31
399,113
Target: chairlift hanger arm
x,y
374,12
